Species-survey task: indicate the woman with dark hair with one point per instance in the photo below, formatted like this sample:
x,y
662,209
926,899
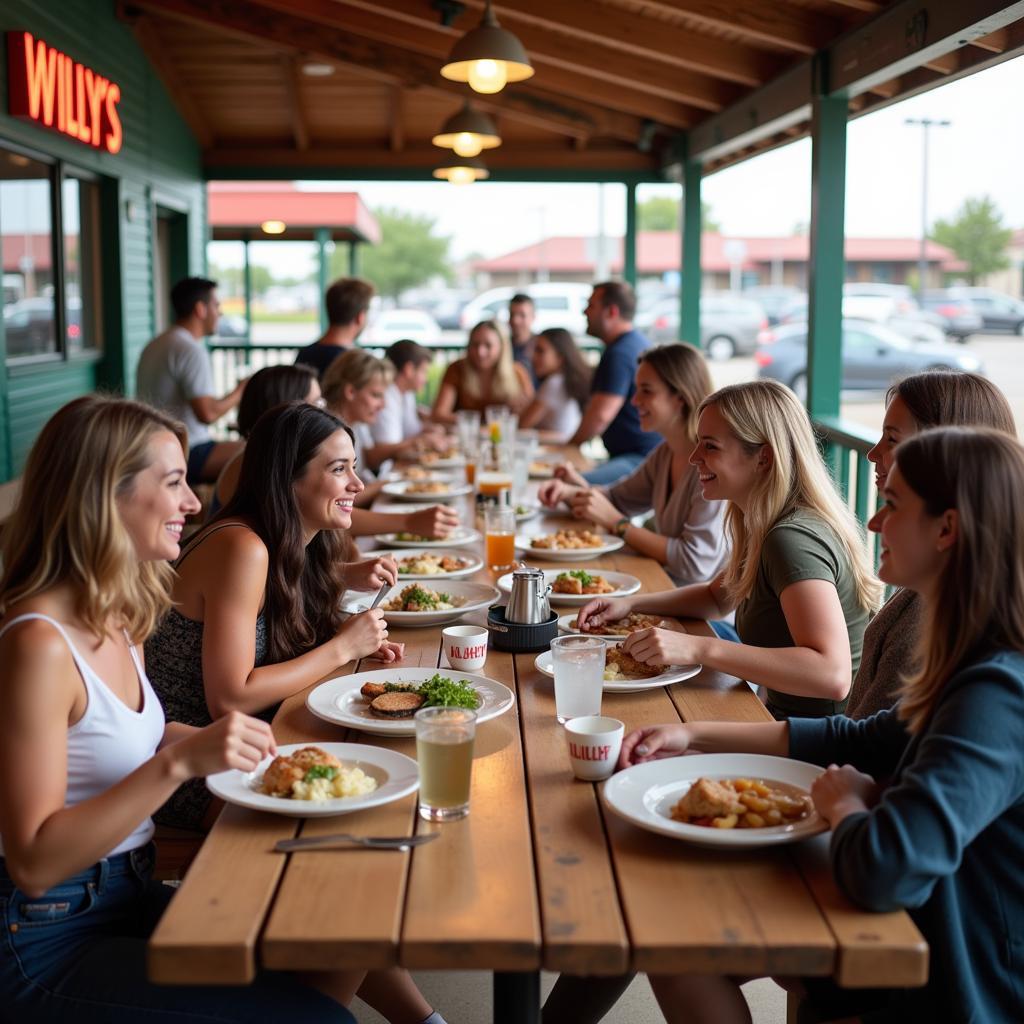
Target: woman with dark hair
x,y
257,598
273,385
563,387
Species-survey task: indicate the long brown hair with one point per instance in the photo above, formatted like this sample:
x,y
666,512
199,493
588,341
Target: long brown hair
x,y
939,398
576,373
684,371
67,529
978,605
305,582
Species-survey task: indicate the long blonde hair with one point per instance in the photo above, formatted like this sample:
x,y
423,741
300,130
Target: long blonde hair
x,y
978,604
356,367
67,528
505,385
765,412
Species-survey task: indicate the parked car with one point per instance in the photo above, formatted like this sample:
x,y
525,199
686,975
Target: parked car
x,y
445,305
29,327
773,299
959,317
729,324
874,356
998,312
904,317
232,326
391,325
556,303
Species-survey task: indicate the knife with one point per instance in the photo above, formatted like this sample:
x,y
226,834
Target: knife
x,y
341,840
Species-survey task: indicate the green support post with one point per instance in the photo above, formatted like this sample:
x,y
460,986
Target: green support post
x,y
353,259
827,259
689,290
323,236
629,242
247,287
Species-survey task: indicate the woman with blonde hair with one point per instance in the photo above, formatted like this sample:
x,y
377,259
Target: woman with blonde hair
x,y
487,375
689,536
927,808
798,576
85,753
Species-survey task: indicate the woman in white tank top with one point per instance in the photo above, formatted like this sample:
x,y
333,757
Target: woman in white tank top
x,y
85,754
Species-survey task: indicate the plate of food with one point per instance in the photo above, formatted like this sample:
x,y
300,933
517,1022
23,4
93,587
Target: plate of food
x,y
432,564
541,469
308,781
449,458
385,701
418,490
616,630
459,537
569,545
578,586
417,604
730,800
417,474
524,512
623,674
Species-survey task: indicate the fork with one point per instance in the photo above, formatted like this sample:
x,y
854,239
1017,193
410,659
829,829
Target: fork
x,y
341,840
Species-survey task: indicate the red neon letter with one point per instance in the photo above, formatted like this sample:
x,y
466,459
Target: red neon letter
x,y
115,136
96,89
40,74
84,133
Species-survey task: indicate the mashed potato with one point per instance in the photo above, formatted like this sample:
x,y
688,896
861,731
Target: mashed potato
x,y
347,782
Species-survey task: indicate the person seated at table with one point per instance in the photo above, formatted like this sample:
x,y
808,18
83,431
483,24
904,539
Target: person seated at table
x,y
689,536
273,385
347,304
933,399
257,593
925,800
486,375
399,423
563,384
87,755
798,575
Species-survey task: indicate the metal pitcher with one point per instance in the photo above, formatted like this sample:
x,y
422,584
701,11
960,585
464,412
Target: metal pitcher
x,y
528,601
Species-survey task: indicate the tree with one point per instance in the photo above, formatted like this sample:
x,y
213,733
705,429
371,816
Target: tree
x,y
232,279
977,236
661,213
408,254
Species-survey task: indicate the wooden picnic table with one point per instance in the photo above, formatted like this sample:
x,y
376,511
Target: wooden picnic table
x,y
539,875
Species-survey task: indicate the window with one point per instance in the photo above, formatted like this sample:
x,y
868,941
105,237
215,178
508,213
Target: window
x,y
51,275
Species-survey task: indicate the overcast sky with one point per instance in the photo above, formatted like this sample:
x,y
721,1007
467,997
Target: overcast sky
x,y
981,152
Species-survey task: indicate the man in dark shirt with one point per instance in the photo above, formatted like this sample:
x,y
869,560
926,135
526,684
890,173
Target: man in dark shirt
x,y
348,304
520,328
610,410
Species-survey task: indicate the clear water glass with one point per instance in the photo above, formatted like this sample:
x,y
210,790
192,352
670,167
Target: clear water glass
x,y
578,663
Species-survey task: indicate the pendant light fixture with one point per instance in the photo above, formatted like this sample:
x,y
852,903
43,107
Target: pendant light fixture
x,y
468,132
462,171
487,57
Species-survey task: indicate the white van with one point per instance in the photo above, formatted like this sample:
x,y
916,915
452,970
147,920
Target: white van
x,y
557,304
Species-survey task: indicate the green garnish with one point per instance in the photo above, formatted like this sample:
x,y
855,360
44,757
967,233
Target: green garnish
x,y
582,575
440,691
320,771
417,595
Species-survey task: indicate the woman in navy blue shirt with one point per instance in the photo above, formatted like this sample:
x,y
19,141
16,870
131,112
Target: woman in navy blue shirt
x,y
926,800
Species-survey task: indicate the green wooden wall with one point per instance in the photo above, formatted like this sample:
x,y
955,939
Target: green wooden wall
x,y
159,164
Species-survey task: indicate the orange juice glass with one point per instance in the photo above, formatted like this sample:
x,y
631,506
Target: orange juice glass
x,y
500,535
470,472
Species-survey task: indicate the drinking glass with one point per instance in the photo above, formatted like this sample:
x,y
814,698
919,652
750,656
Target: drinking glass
x,y
444,750
467,426
471,453
500,534
523,454
578,662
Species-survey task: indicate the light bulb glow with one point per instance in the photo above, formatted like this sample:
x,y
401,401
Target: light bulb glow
x,y
461,175
273,227
487,76
467,144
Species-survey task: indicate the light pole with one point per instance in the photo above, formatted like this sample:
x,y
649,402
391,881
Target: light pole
x,y
922,260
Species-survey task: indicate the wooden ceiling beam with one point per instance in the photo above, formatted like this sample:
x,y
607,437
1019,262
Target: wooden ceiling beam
x,y
294,98
409,23
994,42
396,138
390,64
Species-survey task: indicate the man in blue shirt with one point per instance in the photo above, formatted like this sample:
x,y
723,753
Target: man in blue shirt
x,y
610,410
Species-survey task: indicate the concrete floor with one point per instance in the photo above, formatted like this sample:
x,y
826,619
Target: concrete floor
x,y
464,997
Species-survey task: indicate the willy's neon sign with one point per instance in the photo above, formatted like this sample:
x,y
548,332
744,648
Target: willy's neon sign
x,y
51,89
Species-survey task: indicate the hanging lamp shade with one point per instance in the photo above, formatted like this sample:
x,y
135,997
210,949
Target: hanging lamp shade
x,y
462,171
487,57
468,132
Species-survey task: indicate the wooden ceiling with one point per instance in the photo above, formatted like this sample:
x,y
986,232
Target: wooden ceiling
x,y
616,80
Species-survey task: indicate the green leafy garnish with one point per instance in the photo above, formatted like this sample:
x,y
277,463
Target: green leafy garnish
x,y
582,575
440,691
417,595
320,771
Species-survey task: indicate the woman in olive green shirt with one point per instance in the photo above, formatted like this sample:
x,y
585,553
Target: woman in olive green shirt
x,y
798,577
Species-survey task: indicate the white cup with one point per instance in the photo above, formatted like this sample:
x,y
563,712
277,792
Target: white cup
x,y
594,743
465,647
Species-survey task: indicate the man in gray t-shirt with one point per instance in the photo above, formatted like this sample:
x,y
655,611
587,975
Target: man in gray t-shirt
x,y
175,375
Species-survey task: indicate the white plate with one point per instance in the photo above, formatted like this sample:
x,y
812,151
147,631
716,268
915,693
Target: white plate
x,y
569,555
645,793
540,470
622,582
477,595
396,775
674,674
529,511
405,490
458,538
474,563
398,475
339,700
449,463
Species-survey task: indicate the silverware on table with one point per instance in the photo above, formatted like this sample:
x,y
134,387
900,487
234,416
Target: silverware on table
x,y
380,597
342,840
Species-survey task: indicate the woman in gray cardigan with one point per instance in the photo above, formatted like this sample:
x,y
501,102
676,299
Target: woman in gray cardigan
x,y
937,398
925,800
688,538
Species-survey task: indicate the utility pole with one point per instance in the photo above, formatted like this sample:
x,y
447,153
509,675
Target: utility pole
x,y
922,260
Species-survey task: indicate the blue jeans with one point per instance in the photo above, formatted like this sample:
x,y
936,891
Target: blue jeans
x,y
78,954
614,469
